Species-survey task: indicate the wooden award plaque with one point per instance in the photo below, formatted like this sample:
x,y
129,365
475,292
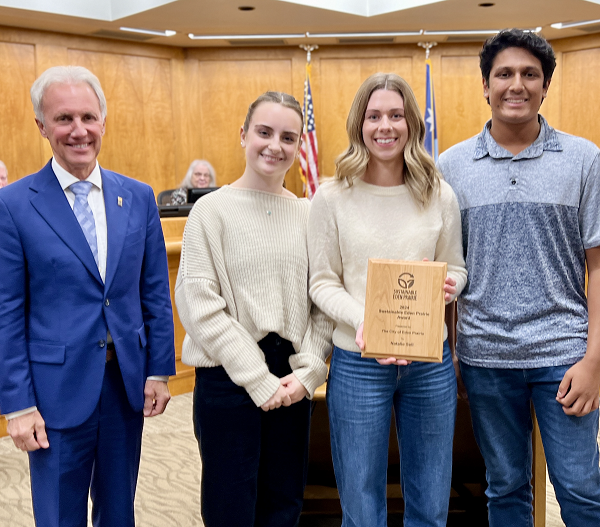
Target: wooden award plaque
x,y
404,310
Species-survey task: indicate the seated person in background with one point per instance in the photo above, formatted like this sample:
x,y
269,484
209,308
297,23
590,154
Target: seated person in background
x,y
201,174
3,175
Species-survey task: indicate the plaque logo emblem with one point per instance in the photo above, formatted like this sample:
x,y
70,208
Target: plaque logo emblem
x,y
406,280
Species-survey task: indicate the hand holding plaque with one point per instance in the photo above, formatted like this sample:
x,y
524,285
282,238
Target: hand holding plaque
x,y
404,310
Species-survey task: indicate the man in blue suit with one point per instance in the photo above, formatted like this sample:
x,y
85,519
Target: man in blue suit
x,y
86,327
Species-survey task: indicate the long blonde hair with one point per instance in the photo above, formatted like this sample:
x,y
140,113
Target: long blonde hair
x,y
420,174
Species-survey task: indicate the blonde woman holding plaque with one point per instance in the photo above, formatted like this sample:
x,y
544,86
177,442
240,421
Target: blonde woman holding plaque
x,y
387,200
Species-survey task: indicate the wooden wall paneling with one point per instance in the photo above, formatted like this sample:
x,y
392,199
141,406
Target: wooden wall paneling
x,y
580,115
20,146
462,111
86,43
340,79
140,134
551,108
576,43
226,90
48,55
180,103
186,108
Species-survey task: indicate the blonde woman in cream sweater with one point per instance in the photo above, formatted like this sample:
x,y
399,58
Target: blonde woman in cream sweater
x,y
386,201
258,343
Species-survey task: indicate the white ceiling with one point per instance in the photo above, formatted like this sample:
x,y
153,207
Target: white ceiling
x,y
222,17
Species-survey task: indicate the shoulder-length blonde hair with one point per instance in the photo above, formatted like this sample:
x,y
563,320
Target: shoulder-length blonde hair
x,y
420,174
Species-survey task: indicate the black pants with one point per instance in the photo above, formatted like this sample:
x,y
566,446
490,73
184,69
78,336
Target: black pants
x,y
254,463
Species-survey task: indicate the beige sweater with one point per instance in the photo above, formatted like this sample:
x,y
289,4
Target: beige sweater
x,y
243,274
349,225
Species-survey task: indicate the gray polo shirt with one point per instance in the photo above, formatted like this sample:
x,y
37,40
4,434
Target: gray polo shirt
x,y
526,222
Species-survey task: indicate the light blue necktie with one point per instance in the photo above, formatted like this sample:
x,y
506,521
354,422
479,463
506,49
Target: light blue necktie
x,y
84,215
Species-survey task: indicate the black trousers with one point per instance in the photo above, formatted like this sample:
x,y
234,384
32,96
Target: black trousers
x,y
254,463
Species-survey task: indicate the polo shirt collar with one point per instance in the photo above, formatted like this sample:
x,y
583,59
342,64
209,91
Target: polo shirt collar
x,y
547,140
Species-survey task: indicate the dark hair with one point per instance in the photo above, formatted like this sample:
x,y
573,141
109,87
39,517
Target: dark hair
x,y
538,46
277,97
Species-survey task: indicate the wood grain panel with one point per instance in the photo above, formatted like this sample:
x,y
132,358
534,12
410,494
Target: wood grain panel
x,y
140,134
462,111
339,81
19,137
551,108
580,115
226,90
186,109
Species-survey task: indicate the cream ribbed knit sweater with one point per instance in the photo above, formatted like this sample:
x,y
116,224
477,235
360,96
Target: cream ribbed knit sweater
x,y
349,225
243,274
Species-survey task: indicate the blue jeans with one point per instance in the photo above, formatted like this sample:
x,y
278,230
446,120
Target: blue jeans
x,y
360,396
500,401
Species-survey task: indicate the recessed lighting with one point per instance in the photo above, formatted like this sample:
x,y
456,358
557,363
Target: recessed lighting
x,y
246,8
360,35
486,4
565,25
165,33
463,32
244,37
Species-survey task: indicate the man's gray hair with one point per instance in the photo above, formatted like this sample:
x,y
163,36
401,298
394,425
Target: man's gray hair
x,y
64,75
2,165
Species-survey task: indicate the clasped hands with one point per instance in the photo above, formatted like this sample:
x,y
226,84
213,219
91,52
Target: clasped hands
x,y
290,391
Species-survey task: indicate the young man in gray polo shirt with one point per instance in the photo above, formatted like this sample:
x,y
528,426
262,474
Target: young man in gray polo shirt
x,y
530,203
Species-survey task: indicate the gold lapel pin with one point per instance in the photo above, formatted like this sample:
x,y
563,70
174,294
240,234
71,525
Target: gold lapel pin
x,y
120,201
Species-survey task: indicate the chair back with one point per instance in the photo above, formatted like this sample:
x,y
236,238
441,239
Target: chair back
x,y
164,197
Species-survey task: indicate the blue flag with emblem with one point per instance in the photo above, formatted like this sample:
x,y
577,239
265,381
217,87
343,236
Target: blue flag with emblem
x,y
431,136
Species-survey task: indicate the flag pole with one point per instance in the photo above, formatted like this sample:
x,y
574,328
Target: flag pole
x,y
305,173
309,48
427,46
431,133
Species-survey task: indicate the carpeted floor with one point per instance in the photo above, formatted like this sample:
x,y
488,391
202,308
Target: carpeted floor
x,y
169,481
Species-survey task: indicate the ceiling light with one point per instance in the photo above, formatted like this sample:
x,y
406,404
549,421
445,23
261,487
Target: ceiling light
x,y
566,25
166,33
474,31
463,32
358,35
243,37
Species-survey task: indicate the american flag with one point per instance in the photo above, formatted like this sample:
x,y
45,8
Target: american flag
x,y
431,136
309,166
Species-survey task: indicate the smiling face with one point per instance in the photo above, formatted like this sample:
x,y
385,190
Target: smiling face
x,y
272,141
516,88
384,130
201,176
74,126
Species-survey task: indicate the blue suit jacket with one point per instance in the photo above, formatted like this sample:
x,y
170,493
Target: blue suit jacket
x,y
55,311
